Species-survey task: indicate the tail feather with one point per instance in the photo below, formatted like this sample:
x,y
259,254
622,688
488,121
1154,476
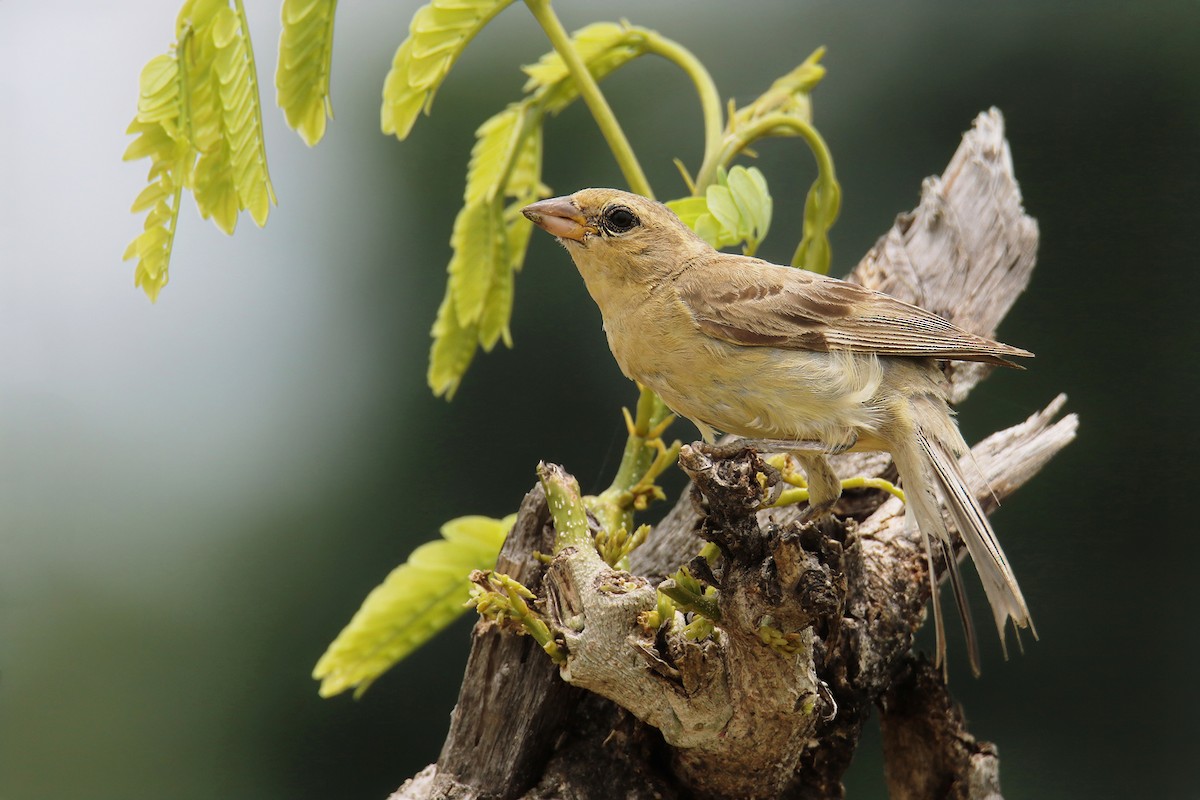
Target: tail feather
x,y
964,608
930,474
917,477
999,583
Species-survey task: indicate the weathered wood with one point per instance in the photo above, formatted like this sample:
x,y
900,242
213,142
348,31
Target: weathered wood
x,y
512,705
967,251
858,590
927,749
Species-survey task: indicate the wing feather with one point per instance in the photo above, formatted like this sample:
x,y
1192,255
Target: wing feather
x,y
751,302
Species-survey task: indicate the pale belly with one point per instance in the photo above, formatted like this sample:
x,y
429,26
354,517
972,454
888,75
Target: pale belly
x,y
765,392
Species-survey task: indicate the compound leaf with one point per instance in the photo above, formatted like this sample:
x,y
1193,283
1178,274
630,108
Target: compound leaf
x,y
419,598
305,58
438,33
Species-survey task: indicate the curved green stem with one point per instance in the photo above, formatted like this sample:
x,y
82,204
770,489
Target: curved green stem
x,y
824,199
590,92
710,98
641,458
763,127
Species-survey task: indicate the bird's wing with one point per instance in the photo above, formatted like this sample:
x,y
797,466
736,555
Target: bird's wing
x,y
751,302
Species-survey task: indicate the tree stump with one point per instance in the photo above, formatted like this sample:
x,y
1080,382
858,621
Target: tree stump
x,y
817,621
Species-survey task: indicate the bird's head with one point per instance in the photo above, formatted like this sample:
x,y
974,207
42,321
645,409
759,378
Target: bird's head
x,y
615,236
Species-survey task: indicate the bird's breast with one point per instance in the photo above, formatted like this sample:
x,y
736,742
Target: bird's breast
x,y
757,392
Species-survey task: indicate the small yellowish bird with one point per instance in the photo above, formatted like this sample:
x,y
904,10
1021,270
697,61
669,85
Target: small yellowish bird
x,y
804,363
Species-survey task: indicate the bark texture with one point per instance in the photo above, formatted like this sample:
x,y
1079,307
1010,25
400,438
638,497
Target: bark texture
x,y
816,621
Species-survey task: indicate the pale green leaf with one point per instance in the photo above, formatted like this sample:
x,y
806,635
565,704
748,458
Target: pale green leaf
x,y
214,190
150,197
152,142
158,125
197,14
496,144
722,207
603,46
693,212
452,349
748,189
708,229
821,208
737,208
518,229
479,244
199,122
418,599
241,116
230,171
790,95
525,180
689,209
305,58
497,309
438,33
225,27
490,239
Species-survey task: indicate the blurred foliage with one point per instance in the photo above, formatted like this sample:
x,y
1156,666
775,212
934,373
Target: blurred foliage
x,y
200,124
305,61
419,598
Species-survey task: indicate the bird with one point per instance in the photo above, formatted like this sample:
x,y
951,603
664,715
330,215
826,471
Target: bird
x,y
801,362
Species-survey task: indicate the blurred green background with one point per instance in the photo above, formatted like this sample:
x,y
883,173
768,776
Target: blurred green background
x,y
196,495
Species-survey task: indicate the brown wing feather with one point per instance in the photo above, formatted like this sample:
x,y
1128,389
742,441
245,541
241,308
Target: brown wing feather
x,y
752,302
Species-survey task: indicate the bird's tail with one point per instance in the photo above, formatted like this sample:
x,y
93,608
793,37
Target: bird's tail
x,y
929,472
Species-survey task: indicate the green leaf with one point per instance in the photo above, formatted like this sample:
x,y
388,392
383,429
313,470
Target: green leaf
x,y
497,309
489,242
722,207
498,142
419,598
302,74
735,209
438,34
159,127
689,209
603,46
199,123
821,208
790,95
452,349
479,251
240,116
748,191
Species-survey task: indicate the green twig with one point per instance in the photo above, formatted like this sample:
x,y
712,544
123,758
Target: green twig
x,y
770,125
566,507
590,92
710,98
642,461
503,600
687,600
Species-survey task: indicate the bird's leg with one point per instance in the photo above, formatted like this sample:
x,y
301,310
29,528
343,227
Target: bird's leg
x,y
824,487
796,446
820,486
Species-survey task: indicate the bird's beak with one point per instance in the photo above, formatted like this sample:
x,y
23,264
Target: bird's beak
x,y
560,217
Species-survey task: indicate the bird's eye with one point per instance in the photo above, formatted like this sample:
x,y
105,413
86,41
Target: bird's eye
x,y
620,219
